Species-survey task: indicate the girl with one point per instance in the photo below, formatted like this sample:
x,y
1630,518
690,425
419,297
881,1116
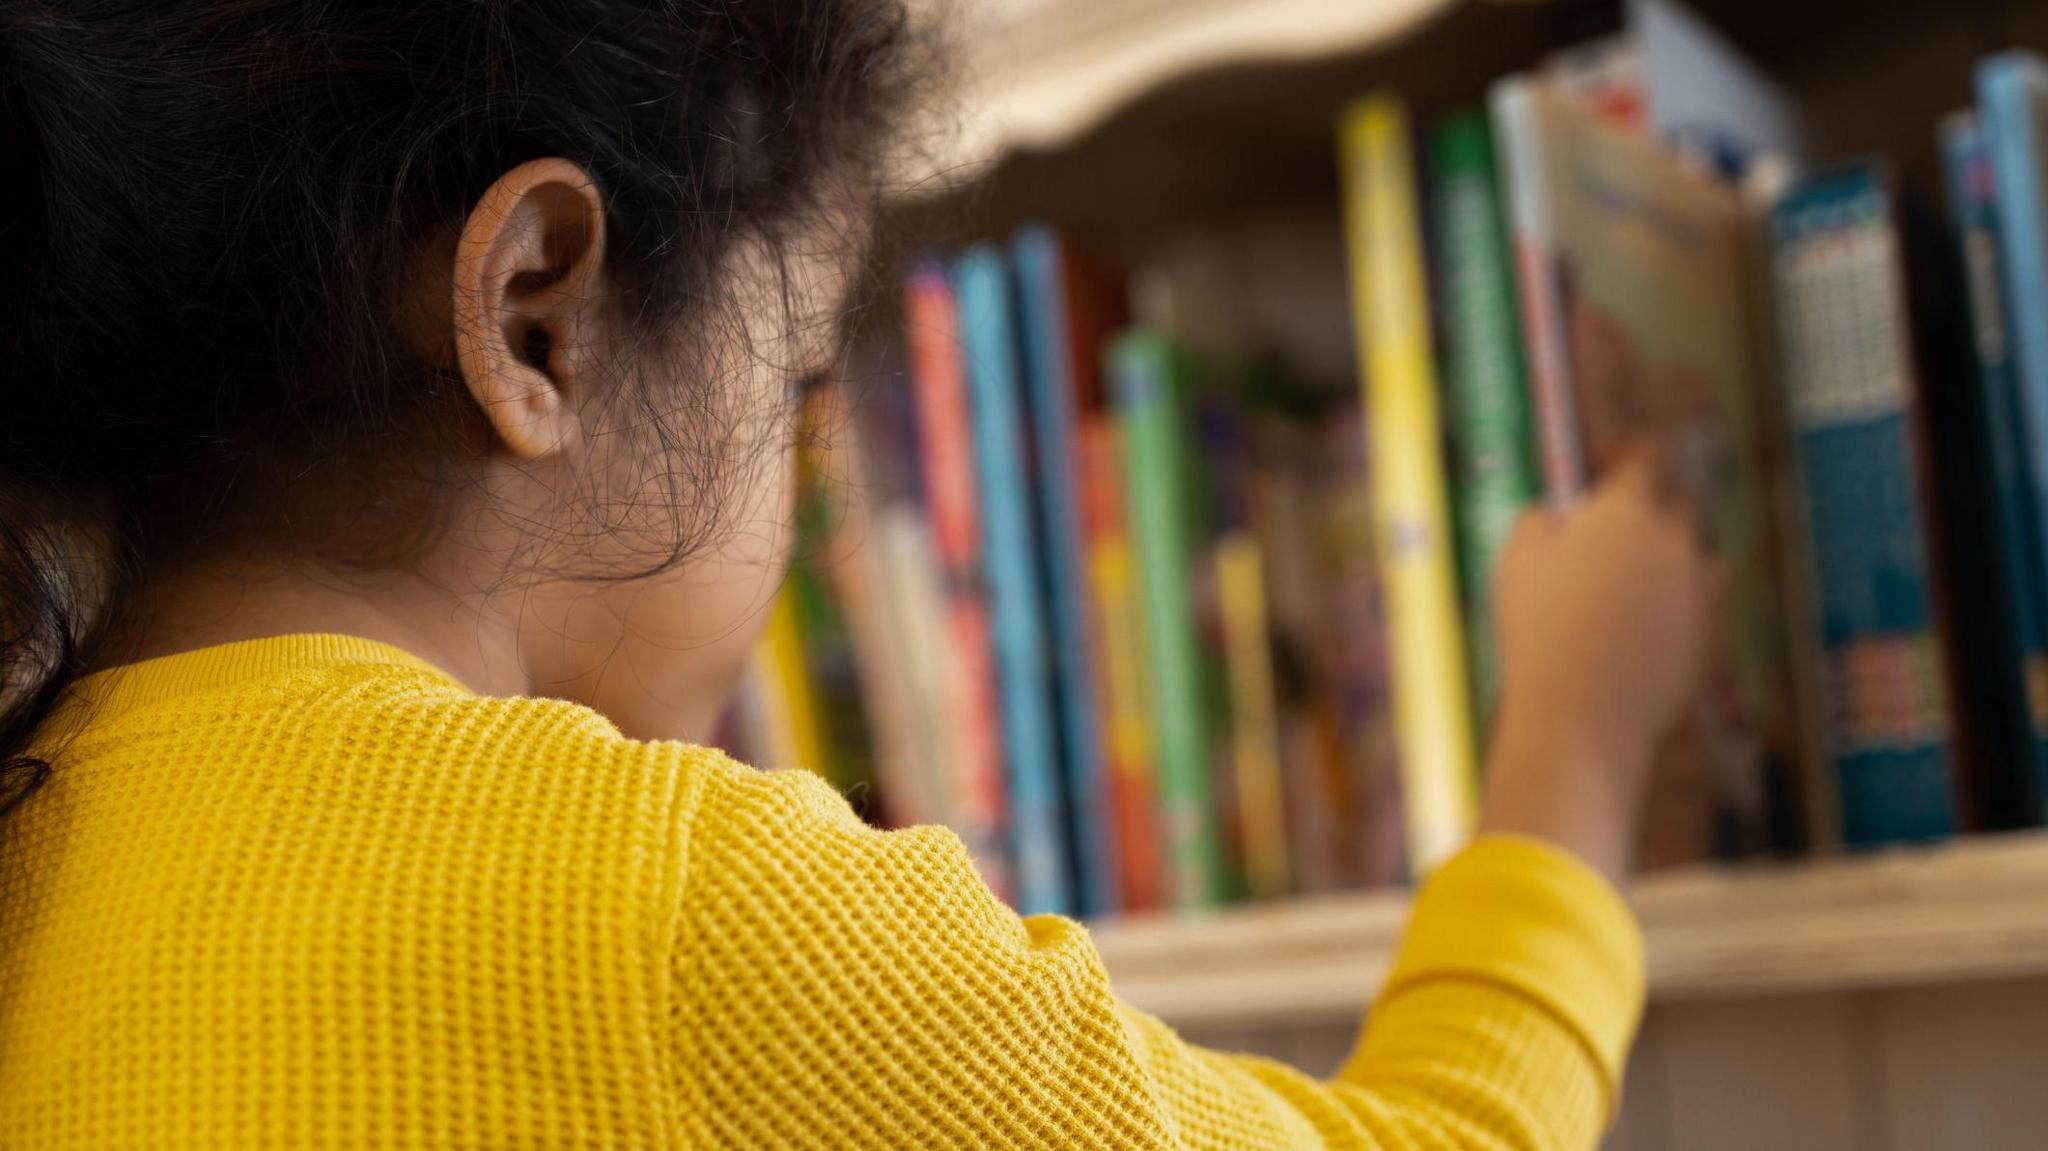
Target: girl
x,y
395,467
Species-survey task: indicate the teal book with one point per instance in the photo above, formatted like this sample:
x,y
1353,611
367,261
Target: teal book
x,y
1859,427
1062,361
1486,390
1994,440
1149,381
1009,548
2012,99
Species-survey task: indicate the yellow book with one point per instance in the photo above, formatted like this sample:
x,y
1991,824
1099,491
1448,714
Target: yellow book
x,y
788,715
1432,709
1255,723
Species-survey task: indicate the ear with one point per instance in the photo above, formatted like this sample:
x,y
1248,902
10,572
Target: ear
x,y
528,279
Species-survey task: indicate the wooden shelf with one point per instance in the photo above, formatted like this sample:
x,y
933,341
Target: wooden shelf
x,y
1969,910
1041,72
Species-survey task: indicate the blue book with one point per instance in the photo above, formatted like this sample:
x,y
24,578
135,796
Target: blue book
x,y
2012,95
1009,549
1838,285
2010,795
1050,359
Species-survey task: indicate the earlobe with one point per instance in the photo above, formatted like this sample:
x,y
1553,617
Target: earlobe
x,y
528,279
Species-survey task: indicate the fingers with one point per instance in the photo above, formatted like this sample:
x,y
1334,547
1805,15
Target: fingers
x,y
1533,531
1677,474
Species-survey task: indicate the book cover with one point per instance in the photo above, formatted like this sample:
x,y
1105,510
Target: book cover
x,y
1638,299
988,333
2012,97
1118,641
945,436
1493,469
1432,693
1990,446
1148,381
1856,414
1059,311
1669,74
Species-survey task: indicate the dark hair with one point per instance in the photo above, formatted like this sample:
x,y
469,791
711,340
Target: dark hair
x,y
209,208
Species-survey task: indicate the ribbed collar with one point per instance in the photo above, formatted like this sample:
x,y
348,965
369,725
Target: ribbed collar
x,y
105,694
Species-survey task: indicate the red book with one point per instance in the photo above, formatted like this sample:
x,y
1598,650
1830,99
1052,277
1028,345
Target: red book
x,y
1120,665
938,381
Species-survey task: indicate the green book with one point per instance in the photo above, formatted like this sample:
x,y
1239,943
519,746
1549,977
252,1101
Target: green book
x,y
1492,461
1150,380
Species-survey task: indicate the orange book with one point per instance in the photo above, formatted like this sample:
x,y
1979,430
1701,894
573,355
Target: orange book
x,y
1120,680
938,380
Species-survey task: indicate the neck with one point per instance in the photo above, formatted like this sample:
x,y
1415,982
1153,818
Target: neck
x,y
203,605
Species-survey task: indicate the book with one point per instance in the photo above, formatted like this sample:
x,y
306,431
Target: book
x,y
1431,690
1214,464
1858,416
787,734
1281,505
1704,97
1991,444
1255,725
1118,641
988,334
1149,381
945,436
883,568
924,790
1364,781
847,635
1062,314
1493,472
2012,97
1637,286
1670,75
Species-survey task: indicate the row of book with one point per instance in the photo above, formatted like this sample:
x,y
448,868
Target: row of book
x,y
1107,610
1151,628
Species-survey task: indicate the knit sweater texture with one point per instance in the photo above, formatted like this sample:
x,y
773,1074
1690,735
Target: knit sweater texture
x,y
310,892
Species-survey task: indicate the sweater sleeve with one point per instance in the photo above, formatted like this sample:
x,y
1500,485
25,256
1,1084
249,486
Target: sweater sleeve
x,y
838,986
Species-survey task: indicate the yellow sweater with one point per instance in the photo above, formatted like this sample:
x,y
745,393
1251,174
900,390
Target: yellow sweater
x,y
309,892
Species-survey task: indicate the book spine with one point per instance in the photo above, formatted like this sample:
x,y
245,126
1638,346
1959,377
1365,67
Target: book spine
x,y
2012,94
1255,724
1525,189
1433,714
938,380
1836,270
1041,276
1149,406
1997,436
1486,392
1010,555
1118,643
908,583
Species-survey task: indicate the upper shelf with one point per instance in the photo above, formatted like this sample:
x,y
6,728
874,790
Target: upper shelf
x,y
1041,72
1973,909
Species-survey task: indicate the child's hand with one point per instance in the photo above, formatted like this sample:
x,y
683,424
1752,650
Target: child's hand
x,y
1603,616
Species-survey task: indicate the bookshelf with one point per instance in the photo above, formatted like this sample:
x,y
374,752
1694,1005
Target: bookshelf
x,y
1973,909
1884,998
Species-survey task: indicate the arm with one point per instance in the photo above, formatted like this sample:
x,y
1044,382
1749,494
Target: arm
x,y
840,986
846,987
